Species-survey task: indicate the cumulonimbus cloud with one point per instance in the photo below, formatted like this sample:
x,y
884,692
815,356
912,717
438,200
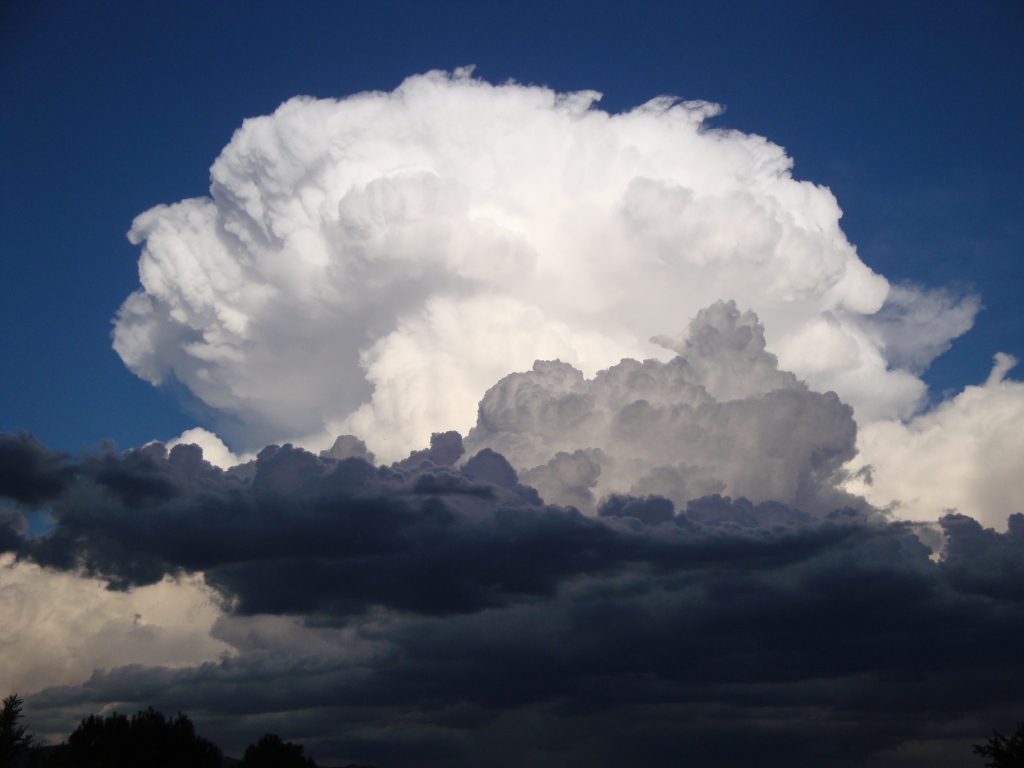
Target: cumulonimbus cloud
x,y
517,265
371,265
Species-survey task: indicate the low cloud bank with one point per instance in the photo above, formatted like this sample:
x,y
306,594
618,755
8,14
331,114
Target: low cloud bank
x,y
296,533
422,613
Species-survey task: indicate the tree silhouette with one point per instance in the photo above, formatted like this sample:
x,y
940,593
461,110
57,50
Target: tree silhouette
x,y
147,739
271,752
1003,752
14,738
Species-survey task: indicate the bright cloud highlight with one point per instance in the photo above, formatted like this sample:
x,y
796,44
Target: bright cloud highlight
x,y
371,265
965,455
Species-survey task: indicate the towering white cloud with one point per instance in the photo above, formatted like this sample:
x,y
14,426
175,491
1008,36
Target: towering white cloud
x,y
373,264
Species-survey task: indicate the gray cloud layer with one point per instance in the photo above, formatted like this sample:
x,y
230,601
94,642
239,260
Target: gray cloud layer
x,y
427,615
312,535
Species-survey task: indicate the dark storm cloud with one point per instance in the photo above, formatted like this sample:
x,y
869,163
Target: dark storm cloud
x,y
424,615
817,652
980,561
308,534
31,473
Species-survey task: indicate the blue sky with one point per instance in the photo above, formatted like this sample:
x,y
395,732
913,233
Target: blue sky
x,y
911,113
